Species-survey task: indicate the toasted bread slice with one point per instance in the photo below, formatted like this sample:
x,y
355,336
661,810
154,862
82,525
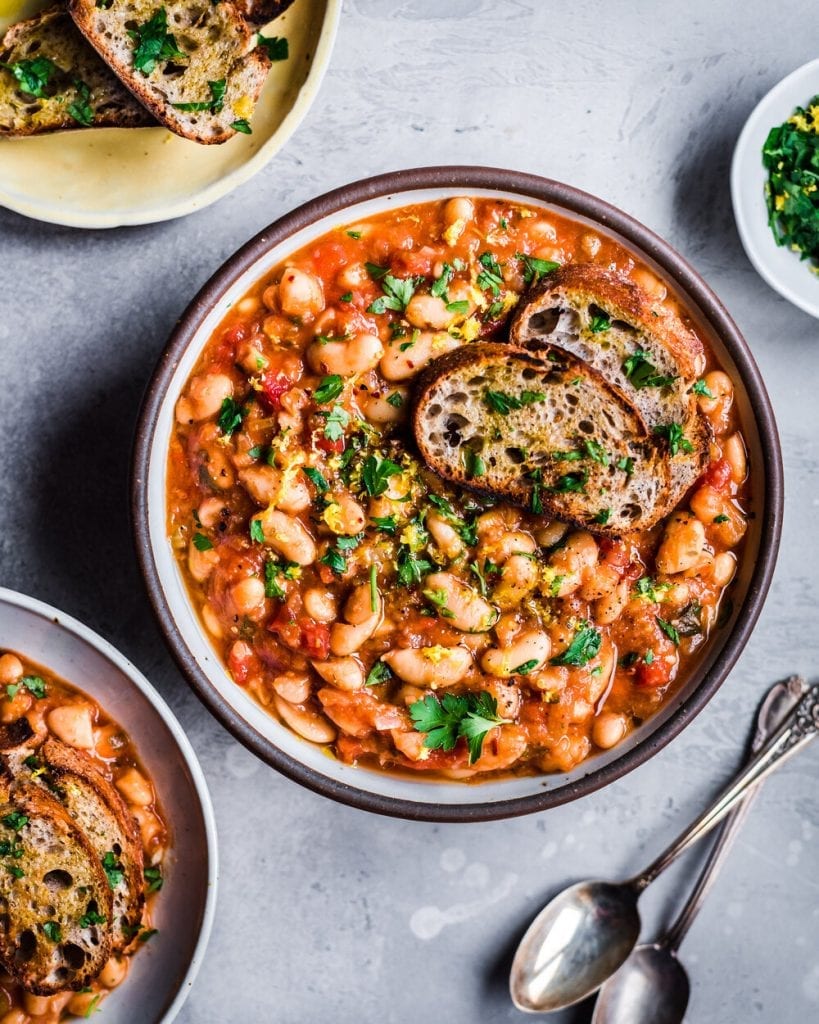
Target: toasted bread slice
x,y
549,433
98,809
259,12
54,894
72,87
639,346
196,67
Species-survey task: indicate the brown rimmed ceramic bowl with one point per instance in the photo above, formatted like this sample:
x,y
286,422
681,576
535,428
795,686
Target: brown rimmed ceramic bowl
x,y
255,728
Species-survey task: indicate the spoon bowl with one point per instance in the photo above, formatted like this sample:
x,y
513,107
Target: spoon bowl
x,y
650,988
575,943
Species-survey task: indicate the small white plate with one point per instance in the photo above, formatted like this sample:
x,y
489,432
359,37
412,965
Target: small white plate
x,y
107,177
781,268
161,974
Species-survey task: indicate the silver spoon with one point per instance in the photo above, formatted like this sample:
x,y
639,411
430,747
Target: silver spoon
x,y
652,986
584,935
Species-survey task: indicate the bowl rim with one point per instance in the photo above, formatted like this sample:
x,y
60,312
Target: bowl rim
x,y
744,203
87,635
574,201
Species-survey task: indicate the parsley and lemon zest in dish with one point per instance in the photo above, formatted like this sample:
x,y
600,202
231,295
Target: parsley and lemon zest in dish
x,y
458,489
791,157
82,844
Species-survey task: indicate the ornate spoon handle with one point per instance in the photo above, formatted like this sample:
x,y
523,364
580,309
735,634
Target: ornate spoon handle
x,y
799,727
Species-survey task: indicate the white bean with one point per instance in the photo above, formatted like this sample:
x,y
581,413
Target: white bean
x,y
11,668
404,358
683,544
293,687
248,596
288,536
430,666
608,729
343,514
135,788
344,356
269,486
460,605
321,604
446,537
428,312
72,724
204,397
343,673
503,662
308,724
300,293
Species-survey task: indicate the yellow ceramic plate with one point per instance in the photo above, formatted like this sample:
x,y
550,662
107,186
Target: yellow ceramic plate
x,y
105,177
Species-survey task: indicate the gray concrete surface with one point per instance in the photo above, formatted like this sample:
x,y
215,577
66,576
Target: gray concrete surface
x,y
326,913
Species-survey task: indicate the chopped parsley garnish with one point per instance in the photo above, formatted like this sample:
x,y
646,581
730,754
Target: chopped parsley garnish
x,y
93,916
440,284
701,388
256,531
316,479
600,322
536,500
14,870
373,589
396,400
570,482
335,560
346,297
276,46
214,104
379,673
626,464
154,44
81,109
33,75
526,667
503,403
230,416
336,422
354,234
397,293
203,543
376,272
721,518
376,473
147,934
473,463
15,820
439,599
272,587
411,568
489,278
584,646
647,588
389,524
642,373
242,125
669,630
596,452
469,716
602,517
52,931
460,307
534,268
329,389
113,869
35,685
677,441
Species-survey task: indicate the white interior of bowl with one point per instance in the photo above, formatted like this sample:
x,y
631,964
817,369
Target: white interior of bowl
x,y
161,974
197,641
781,268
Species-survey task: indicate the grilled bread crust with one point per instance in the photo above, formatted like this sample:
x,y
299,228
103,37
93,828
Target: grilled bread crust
x,y
259,12
52,34
96,806
574,449
561,311
219,47
53,892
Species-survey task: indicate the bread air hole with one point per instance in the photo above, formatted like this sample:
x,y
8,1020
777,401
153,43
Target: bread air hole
x,y
73,955
26,947
545,321
57,880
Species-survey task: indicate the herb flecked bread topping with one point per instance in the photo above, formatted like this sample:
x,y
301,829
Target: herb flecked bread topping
x,y
52,80
199,68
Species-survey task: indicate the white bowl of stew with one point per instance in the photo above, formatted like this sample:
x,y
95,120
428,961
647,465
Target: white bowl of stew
x,y
285,526
51,663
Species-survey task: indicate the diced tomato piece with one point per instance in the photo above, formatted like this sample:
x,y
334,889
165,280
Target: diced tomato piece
x,y
236,333
299,632
351,748
328,259
326,445
413,264
658,673
615,552
717,475
274,385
